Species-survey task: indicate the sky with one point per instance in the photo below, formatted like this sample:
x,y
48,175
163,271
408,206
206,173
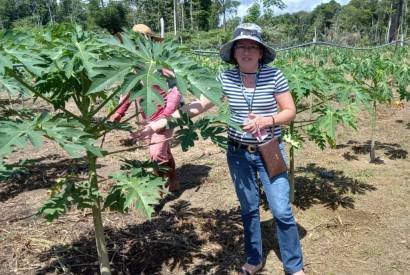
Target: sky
x,y
292,5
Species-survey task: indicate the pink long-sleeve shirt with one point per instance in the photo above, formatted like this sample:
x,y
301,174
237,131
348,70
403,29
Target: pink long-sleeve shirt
x,y
172,100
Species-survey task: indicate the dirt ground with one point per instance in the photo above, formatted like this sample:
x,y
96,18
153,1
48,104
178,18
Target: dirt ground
x,y
353,216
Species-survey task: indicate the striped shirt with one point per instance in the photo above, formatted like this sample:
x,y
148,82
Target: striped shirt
x,y
270,82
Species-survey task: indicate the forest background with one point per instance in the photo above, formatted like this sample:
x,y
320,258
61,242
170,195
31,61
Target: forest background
x,y
209,23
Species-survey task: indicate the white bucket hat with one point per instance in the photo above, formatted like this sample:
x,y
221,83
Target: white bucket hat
x,y
247,31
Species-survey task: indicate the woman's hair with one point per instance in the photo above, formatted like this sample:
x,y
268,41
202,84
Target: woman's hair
x,y
233,51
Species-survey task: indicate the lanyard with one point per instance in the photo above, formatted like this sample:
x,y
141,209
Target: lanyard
x,y
249,102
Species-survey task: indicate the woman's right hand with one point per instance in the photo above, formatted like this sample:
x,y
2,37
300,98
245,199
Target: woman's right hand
x,y
116,117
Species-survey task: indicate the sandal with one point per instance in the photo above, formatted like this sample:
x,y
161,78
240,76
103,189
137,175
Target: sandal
x,y
248,269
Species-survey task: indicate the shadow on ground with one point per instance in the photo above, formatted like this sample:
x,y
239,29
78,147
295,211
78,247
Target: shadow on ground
x,y
392,150
190,176
40,173
332,188
184,240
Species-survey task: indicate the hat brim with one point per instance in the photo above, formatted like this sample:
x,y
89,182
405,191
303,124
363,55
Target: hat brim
x,y
156,38
226,49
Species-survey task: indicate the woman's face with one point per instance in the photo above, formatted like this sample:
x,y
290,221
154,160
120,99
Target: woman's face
x,y
247,53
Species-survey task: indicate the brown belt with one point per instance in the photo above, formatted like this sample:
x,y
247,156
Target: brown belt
x,y
251,148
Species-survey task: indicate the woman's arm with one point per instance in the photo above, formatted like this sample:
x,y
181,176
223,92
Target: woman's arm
x,y
193,109
287,108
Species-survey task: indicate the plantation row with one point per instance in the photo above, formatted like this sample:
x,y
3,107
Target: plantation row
x,y
65,64
322,78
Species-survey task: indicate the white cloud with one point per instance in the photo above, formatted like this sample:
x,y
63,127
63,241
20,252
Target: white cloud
x,y
243,9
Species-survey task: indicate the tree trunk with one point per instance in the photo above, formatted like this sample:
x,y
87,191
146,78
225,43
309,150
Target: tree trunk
x,y
182,15
373,133
175,17
224,12
49,11
192,18
403,26
376,35
395,20
388,26
97,219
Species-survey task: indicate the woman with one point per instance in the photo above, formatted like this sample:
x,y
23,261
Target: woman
x,y
255,92
159,148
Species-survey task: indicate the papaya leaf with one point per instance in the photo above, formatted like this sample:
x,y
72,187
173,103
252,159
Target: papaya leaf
x,y
150,76
33,62
142,192
5,63
17,135
328,122
106,78
65,195
186,137
14,87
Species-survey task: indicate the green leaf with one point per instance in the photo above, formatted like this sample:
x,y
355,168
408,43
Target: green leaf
x,y
14,87
31,60
17,135
328,122
5,63
150,76
65,195
107,78
141,191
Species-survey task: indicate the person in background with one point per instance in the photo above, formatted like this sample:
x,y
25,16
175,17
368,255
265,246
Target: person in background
x,y
260,100
159,148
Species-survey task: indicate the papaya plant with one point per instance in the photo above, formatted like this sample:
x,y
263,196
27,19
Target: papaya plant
x,y
323,101
372,75
67,66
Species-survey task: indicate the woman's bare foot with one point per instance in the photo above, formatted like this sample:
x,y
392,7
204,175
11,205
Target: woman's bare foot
x,y
300,272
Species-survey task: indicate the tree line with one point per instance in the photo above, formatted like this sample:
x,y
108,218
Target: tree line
x,y
363,22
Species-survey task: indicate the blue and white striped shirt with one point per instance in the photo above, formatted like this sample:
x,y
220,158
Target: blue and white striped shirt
x,y
270,82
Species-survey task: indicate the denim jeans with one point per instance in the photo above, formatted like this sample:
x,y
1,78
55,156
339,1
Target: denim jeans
x,y
244,168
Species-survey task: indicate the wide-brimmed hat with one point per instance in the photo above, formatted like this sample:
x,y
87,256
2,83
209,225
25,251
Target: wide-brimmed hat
x,y
247,31
144,29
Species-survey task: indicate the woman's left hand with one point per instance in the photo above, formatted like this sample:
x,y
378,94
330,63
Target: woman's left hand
x,y
143,134
257,123
149,129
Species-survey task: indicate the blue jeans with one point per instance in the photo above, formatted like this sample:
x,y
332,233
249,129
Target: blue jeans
x,y
244,167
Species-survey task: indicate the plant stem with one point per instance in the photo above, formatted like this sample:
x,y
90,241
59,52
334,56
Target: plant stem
x,y
100,241
136,147
315,105
373,133
21,81
291,167
96,110
97,219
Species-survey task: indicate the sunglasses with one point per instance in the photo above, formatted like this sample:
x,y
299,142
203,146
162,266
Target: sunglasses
x,y
243,48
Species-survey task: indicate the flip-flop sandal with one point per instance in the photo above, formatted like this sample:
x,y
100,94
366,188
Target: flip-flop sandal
x,y
247,272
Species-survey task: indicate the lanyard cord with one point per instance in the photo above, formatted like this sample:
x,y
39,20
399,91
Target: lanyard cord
x,y
249,103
